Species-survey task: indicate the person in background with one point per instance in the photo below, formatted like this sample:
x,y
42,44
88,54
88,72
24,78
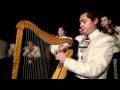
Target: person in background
x,y
61,33
31,51
11,50
114,31
5,63
11,56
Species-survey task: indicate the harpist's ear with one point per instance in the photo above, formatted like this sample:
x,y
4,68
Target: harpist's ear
x,y
65,32
109,21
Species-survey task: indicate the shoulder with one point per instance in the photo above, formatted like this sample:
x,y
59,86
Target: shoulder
x,y
2,42
36,47
103,35
106,37
12,45
117,28
78,37
25,48
68,37
103,40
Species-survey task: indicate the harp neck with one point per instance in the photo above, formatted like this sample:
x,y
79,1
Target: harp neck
x,y
50,39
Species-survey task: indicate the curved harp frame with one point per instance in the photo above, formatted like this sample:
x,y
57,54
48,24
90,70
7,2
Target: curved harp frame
x,y
48,38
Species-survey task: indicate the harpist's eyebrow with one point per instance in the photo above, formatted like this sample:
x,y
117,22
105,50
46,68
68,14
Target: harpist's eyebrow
x,y
83,20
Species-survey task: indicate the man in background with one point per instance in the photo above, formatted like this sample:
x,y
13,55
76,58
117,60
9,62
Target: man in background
x,y
5,70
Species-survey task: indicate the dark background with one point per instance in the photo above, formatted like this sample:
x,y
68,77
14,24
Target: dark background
x,y
48,15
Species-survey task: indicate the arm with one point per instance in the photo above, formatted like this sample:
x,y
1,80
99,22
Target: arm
x,y
117,43
10,52
96,64
55,48
25,51
36,52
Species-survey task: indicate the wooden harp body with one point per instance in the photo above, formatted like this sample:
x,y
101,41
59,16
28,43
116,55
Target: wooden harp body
x,y
44,36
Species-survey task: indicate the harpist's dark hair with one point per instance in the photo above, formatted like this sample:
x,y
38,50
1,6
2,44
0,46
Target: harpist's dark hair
x,y
91,14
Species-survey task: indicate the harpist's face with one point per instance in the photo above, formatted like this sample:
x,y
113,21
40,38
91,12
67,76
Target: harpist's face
x,y
87,26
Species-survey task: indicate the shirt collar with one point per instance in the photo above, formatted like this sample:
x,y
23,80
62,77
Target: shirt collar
x,y
62,36
94,34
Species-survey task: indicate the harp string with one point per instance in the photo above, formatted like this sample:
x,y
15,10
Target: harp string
x,y
37,63
28,68
39,67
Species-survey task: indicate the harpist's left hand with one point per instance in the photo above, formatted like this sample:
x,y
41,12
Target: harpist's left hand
x,y
61,56
61,48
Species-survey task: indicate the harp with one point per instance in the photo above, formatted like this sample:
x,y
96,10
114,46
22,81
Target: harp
x,y
26,29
